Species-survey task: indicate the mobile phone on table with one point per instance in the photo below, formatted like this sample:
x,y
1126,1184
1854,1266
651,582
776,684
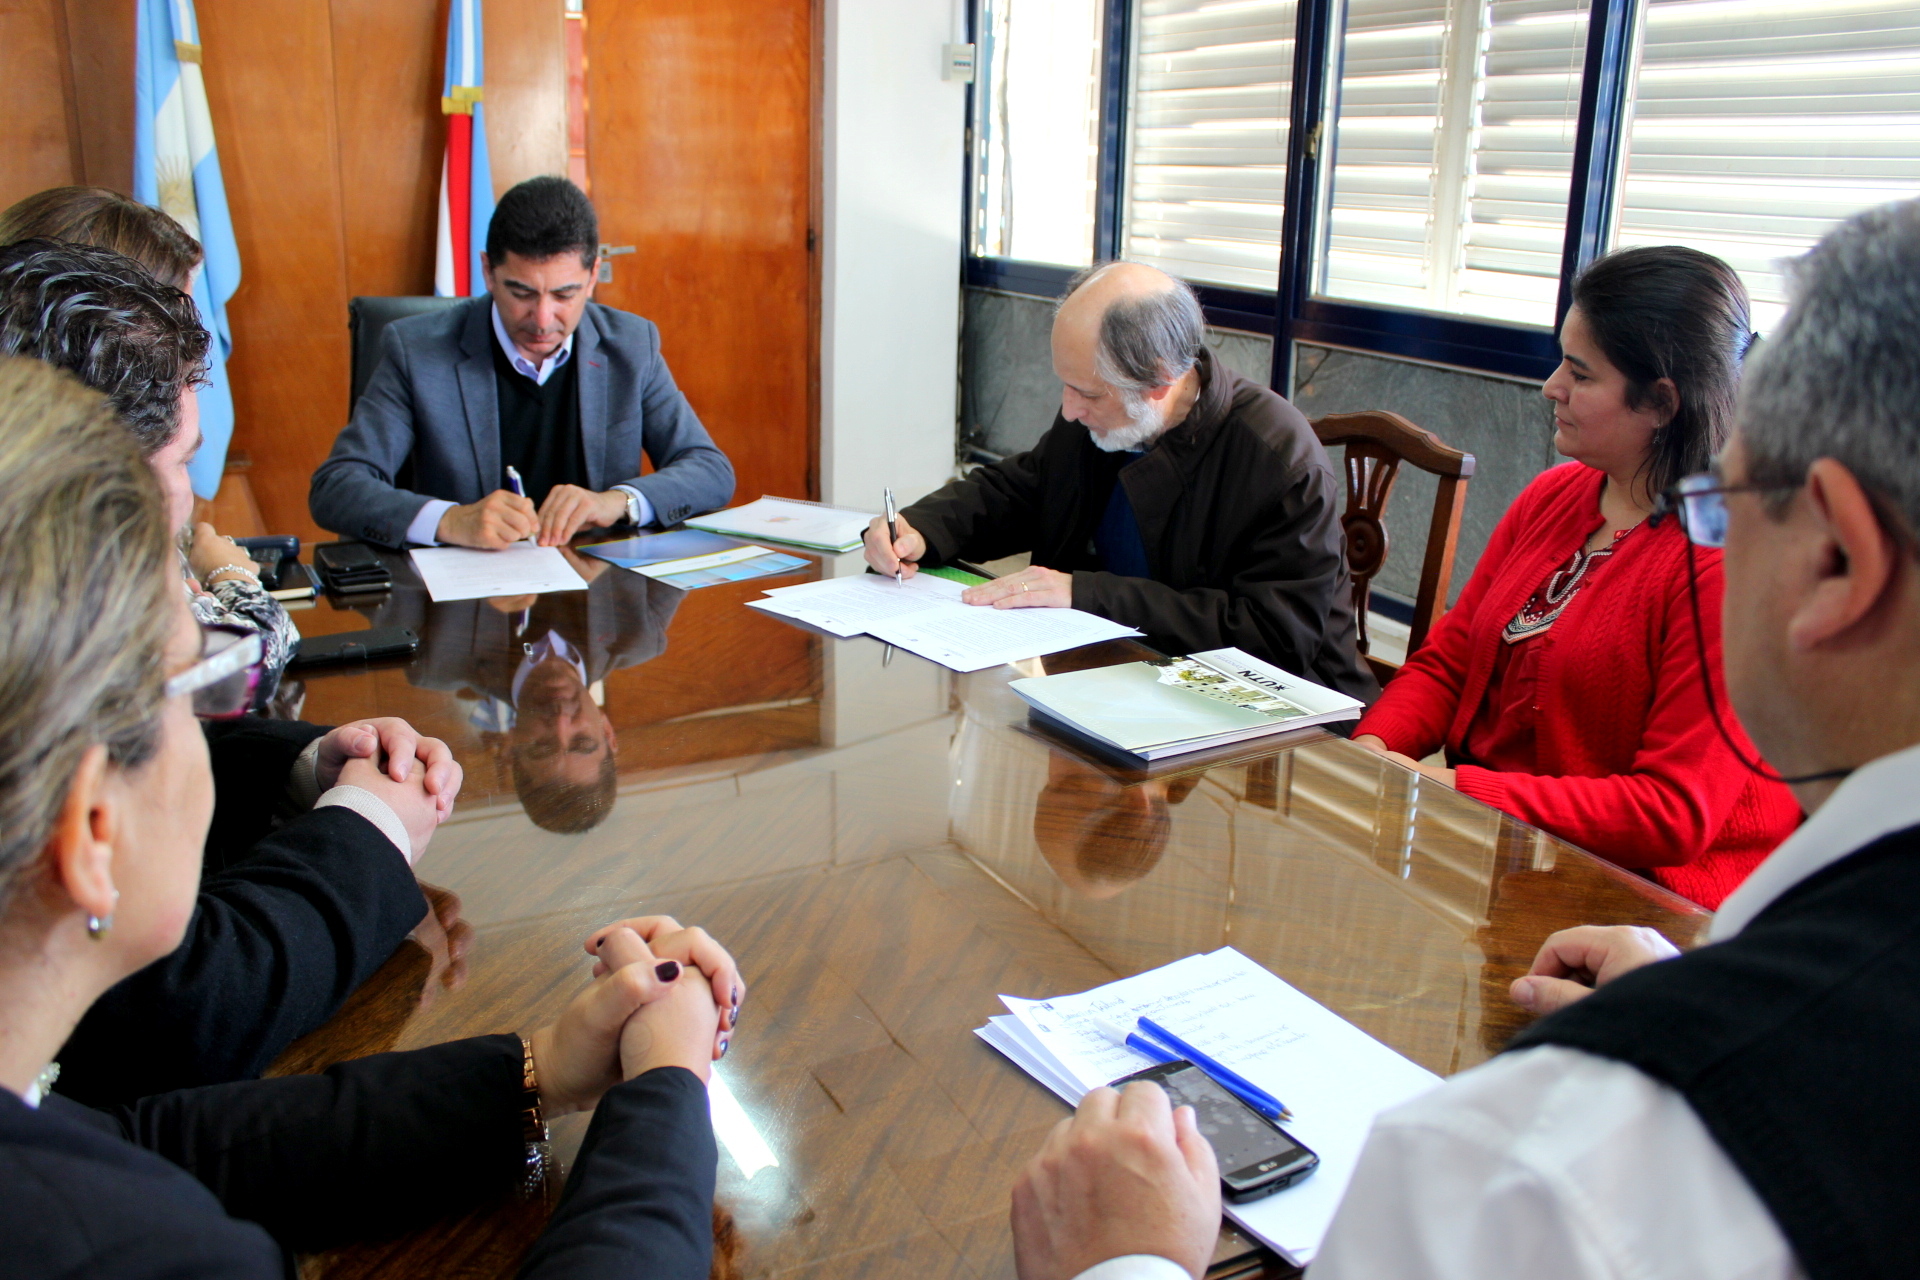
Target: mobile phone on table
x,y
354,646
350,567
1257,1157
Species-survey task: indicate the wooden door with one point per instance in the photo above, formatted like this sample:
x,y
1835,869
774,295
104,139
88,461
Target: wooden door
x,y
700,146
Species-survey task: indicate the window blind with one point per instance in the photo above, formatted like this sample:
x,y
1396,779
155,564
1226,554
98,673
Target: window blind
x,y
1453,146
1758,124
1207,147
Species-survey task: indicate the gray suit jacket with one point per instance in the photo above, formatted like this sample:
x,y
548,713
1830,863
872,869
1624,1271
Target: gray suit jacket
x,y
430,418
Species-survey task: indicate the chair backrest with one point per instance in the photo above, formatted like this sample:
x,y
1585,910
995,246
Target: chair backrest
x,y
1376,443
367,319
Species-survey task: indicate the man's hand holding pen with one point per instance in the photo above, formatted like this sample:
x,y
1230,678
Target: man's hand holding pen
x,y
901,555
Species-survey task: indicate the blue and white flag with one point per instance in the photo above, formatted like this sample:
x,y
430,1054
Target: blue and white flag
x,y
466,176
176,169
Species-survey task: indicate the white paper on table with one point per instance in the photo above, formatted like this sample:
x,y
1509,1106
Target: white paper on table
x,y
712,560
848,606
971,637
784,520
1333,1076
458,573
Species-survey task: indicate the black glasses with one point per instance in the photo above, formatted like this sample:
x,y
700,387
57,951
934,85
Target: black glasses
x,y
1701,500
224,681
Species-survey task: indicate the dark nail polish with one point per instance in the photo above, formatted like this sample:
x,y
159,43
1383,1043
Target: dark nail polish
x,y
723,1047
736,999
667,970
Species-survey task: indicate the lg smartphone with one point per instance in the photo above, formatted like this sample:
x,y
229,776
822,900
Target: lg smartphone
x,y
354,646
1256,1156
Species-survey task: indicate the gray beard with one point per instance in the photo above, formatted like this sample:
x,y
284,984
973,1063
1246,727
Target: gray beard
x,y
1143,424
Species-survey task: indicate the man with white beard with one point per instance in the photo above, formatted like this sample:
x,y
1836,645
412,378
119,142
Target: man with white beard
x,y
1170,494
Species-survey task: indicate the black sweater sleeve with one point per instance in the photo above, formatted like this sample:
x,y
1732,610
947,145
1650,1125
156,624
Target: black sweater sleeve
x,y
276,943
640,1198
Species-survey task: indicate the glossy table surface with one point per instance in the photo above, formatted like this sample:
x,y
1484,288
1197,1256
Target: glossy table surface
x,y
886,846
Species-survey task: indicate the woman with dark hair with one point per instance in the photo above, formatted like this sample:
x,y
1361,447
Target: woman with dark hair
x,y
1566,684
105,800
124,331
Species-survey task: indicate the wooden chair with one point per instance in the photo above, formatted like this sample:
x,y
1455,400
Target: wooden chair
x,y
1376,444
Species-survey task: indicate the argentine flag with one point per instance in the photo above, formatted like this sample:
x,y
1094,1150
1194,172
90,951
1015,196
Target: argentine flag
x,y
176,169
466,177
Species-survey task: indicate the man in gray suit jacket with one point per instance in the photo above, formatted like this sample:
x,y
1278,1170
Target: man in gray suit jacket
x,y
535,377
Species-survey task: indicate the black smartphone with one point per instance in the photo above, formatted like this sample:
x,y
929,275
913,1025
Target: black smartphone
x,y
1257,1157
354,646
348,567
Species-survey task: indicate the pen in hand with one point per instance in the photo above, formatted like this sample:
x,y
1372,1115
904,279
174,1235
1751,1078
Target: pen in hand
x,y
514,486
893,536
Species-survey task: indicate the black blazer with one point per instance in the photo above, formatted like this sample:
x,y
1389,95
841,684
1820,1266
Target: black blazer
x,y
290,921
226,1181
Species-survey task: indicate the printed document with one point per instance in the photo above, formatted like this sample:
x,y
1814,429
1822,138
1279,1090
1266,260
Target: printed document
x,y
1334,1077
848,606
459,573
969,637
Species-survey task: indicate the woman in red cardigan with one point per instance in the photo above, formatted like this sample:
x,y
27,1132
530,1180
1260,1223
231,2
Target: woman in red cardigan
x,y
1566,683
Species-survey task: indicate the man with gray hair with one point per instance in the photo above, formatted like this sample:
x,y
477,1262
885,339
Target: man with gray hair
x,y
1744,1112
1171,494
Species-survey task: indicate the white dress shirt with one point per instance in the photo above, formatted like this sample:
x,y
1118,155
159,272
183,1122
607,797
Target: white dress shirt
x,y
1553,1162
425,528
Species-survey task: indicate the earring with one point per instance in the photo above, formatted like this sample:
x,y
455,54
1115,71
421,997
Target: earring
x,y
97,926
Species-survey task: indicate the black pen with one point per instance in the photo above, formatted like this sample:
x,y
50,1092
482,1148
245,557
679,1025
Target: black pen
x,y
893,536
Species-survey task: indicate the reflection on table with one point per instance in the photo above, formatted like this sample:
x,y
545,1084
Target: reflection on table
x,y
887,846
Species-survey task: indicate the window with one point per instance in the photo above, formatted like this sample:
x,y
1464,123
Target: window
x,y
1423,178
1207,164
1453,154
1758,124
1037,130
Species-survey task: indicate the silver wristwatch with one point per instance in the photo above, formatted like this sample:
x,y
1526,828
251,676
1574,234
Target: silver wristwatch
x,y
633,507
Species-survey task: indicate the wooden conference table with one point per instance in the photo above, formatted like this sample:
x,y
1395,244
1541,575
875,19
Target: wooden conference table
x,y
886,845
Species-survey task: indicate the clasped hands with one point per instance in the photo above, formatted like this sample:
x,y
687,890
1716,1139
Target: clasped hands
x,y
417,777
501,518
1031,588
661,996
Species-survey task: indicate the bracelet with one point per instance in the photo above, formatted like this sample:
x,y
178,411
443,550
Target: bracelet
x,y
232,568
533,1124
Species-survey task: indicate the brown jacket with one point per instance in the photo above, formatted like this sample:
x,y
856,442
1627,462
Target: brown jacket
x,y
1239,510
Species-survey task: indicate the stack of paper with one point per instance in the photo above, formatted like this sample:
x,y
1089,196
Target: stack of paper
x,y
924,615
805,524
458,573
1334,1077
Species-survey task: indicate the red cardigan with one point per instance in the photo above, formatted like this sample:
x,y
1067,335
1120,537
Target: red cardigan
x,y
1631,766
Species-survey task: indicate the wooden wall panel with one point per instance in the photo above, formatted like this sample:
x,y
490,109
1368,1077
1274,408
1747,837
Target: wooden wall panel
x,y
100,38
39,134
526,89
701,149
270,81
389,56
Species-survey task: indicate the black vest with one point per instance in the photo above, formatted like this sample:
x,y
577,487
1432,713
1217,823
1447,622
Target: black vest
x,y
1797,1043
539,427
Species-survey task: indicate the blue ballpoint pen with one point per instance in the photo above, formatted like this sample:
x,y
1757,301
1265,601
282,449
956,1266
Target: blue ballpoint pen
x,y
514,486
1225,1075
1259,1100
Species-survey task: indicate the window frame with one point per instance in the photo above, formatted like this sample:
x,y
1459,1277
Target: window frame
x,y
1290,314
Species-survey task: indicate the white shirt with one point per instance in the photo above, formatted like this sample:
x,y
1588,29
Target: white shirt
x,y
1553,1162
425,527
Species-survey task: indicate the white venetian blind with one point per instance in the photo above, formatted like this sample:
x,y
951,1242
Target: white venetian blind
x,y
1453,146
1758,124
1207,157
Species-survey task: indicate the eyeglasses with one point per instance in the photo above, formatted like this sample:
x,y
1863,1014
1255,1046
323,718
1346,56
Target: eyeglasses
x,y
225,679
1701,500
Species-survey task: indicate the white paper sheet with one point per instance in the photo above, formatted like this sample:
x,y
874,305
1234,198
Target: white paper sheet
x,y
1332,1075
783,520
971,637
847,606
458,573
